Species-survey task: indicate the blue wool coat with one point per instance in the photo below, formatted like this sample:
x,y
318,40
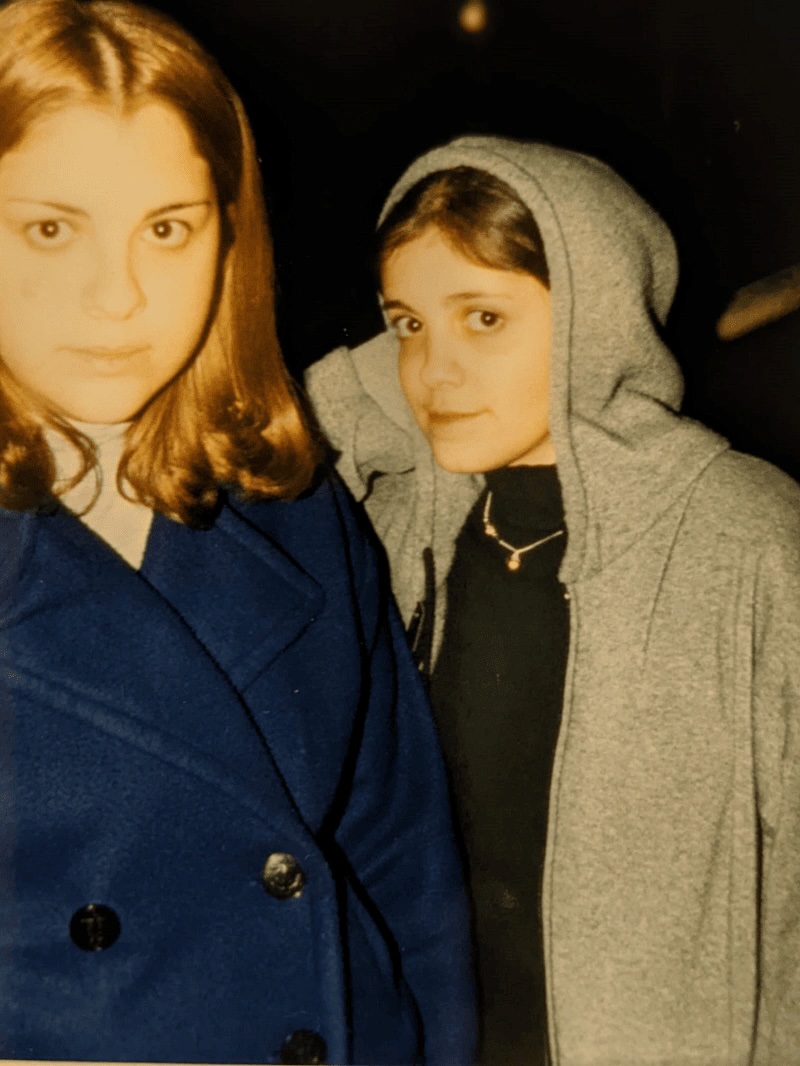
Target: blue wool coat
x,y
223,824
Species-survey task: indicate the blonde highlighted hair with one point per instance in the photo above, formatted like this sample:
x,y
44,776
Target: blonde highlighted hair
x,y
232,417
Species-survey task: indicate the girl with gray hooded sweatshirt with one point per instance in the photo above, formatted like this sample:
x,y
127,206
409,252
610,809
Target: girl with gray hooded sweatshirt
x,y
606,599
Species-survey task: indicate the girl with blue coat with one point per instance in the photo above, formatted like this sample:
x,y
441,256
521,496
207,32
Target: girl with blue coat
x,y
223,824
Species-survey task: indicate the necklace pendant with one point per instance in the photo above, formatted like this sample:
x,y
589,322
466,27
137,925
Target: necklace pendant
x,y
514,560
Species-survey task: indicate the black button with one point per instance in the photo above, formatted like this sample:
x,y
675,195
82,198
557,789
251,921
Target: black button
x,y
94,927
282,876
303,1048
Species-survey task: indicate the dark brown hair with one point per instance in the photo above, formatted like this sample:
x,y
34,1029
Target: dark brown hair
x,y
232,416
480,215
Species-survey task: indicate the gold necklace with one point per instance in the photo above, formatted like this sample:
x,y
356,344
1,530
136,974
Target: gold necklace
x,y
514,560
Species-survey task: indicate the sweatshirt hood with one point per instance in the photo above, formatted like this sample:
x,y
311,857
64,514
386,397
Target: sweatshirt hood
x,y
624,453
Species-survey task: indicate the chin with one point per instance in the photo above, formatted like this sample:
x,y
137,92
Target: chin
x,y
461,460
101,420
101,414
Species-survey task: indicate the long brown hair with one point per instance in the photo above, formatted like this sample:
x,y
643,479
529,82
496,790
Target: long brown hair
x,y
232,416
480,215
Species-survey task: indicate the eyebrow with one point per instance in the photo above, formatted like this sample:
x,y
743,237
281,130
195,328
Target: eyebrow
x,y
453,297
68,209
177,207
458,297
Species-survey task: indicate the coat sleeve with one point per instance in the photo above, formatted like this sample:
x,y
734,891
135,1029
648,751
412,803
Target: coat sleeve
x,y
406,859
776,687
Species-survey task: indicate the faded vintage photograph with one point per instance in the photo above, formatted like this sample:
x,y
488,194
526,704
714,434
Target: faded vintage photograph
x,y
399,533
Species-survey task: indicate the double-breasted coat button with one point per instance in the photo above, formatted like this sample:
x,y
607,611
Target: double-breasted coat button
x,y
303,1047
94,927
283,876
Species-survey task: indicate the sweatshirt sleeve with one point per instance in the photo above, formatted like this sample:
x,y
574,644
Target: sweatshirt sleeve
x,y
337,396
776,686
406,860
357,398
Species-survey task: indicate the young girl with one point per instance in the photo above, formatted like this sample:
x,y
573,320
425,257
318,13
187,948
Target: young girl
x,y
607,600
223,822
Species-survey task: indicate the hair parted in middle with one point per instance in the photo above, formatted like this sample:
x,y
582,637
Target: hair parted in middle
x,y
232,417
481,216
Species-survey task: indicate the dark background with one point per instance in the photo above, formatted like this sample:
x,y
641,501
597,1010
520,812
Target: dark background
x,y
693,101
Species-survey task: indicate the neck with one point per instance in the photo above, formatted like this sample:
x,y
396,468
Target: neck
x,y
526,500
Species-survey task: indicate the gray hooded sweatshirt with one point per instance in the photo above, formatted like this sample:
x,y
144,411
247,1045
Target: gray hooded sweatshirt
x,y
671,896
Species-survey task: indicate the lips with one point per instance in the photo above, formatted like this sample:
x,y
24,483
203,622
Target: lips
x,y
111,354
449,418
106,360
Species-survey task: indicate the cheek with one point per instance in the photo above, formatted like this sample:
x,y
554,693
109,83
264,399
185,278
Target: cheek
x,y
30,288
38,298
52,298
517,391
534,385
29,311
408,367
25,279
528,376
179,296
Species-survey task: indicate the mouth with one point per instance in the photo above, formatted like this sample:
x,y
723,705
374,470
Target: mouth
x,y
109,358
450,418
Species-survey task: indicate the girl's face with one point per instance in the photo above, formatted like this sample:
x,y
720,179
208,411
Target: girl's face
x,y
109,249
475,349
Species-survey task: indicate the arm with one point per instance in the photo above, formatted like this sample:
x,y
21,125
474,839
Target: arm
x,y
776,671
406,859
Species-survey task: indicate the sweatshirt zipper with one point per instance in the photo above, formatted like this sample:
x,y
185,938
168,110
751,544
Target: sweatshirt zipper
x,y
555,781
420,630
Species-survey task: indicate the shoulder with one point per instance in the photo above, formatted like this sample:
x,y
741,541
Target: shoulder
x,y
358,400
323,530
328,537
16,546
349,383
353,373
748,499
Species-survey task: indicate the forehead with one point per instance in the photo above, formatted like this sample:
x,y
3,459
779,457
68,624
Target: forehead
x,y
431,264
90,152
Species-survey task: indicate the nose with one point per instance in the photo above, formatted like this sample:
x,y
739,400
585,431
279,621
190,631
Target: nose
x,y
113,291
441,362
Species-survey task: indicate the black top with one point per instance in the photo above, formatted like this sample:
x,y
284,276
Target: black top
x,y
496,692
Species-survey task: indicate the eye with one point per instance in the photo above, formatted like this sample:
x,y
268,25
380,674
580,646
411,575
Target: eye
x,y
405,326
168,233
49,233
483,321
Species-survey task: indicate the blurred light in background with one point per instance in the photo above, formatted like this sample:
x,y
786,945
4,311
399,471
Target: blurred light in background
x,y
473,16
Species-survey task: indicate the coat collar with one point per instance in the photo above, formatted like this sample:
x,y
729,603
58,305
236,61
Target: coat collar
x,y
160,658
243,597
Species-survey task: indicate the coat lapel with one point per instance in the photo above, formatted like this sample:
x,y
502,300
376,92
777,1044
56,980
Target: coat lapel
x,y
240,594
137,655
